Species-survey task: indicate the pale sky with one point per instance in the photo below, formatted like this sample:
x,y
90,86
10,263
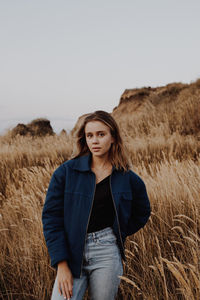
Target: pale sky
x,y
61,59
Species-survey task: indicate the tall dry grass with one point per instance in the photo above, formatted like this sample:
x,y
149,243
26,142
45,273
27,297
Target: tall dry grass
x,y
163,257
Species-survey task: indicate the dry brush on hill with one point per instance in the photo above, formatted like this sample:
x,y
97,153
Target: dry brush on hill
x,y
161,128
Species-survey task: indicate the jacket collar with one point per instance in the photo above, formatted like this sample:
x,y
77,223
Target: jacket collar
x,y
83,163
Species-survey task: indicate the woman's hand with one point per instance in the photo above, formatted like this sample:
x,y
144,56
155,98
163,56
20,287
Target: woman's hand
x,y
64,280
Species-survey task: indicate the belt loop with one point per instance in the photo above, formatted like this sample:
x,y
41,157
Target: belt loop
x,y
94,236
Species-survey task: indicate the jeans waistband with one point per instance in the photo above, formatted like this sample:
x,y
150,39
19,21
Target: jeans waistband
x,y
100,233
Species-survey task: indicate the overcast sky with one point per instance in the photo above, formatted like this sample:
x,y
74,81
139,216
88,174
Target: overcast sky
x,y
61,59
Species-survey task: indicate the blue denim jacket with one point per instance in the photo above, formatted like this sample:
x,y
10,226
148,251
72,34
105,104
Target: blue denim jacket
x,y
68,204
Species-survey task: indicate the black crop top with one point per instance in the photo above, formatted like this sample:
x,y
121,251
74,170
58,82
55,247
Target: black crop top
x,y
103,211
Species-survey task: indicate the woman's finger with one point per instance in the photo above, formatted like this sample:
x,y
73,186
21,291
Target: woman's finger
x,y
67,291
64,292
70,287
59,288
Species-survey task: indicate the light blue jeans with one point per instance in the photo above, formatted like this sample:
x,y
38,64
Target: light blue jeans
x,y
102,266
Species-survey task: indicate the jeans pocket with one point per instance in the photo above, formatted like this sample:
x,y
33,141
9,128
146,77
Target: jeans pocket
x,y
109,239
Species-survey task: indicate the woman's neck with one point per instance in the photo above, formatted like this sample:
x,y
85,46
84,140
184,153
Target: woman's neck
x,y
100,162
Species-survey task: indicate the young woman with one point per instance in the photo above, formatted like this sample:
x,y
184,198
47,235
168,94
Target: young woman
x,y
94,201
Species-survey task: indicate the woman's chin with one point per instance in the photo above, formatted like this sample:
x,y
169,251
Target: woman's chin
x,y
99,153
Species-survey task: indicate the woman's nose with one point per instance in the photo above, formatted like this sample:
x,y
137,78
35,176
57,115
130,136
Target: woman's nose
x,y
95,139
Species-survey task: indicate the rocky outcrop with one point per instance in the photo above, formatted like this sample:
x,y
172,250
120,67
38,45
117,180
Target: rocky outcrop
x,y
37,127
132,100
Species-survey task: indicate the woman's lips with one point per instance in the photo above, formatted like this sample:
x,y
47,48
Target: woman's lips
x,y
96,148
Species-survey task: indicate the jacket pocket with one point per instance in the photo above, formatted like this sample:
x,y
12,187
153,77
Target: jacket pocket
x,y
125,212
126,196
125,205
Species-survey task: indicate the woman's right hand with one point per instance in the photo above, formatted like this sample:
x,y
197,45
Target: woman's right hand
x,y
64,280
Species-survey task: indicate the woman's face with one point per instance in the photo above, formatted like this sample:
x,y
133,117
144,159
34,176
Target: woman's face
x,y
98,137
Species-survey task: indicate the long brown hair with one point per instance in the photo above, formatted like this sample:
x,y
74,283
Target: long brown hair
x,y
117,153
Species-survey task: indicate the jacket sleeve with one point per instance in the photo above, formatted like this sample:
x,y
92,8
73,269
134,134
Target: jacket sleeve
x,y
53,218
141,209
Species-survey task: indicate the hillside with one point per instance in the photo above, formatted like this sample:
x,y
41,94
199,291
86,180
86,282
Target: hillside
x,y
162,110
161,127
158,123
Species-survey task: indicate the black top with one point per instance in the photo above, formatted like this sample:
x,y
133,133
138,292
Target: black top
x,y
103,211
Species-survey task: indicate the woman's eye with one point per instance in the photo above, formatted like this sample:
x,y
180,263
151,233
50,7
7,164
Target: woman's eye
x,y
100,134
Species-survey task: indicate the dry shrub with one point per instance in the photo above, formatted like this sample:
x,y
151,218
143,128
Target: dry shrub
x,y
25,152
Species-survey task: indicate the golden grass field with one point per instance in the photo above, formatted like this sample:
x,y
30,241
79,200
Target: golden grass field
x,y
163,140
